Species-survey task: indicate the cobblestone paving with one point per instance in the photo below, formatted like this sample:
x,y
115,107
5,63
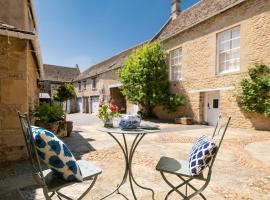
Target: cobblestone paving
x,y
241,171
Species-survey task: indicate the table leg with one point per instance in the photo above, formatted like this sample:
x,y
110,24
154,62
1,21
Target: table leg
x,y
128,155
132,151
125,152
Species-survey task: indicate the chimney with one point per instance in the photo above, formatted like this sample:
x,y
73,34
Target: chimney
x,y
176,8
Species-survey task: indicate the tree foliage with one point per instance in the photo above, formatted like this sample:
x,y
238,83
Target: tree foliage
x,y
144,79
255,94
64,93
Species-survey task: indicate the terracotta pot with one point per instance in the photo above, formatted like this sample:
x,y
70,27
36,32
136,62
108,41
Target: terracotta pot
x,y
59,128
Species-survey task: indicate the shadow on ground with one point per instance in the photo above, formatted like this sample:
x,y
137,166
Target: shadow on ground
x,y
16,177
78,144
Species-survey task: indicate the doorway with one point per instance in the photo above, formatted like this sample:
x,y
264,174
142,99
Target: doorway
x,y
94,104
212,107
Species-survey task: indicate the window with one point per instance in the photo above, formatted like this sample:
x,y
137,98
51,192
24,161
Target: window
x,y
84,84
94,83
79,86
228,51
215,103
175,64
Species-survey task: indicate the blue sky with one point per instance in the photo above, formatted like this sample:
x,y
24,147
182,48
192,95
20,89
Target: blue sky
x,y
86,32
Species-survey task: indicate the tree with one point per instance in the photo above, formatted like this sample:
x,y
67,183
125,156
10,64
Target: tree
x,y
255,90
64,93
144,79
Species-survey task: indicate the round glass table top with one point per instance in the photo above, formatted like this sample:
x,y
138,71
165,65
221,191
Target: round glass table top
x,y
118,130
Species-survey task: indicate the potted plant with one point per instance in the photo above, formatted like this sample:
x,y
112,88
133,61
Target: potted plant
x,y
106,112
51,117
63,94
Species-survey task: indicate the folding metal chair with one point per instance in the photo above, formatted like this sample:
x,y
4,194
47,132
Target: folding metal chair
x,y
180,168
52,184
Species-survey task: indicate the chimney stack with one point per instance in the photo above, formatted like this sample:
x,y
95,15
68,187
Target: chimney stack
x,y
176,8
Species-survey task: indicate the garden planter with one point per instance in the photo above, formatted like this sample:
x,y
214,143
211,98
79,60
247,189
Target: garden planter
x,y
59,127
183,120
177,120
186,120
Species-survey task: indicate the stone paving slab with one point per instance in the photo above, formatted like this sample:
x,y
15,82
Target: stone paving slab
x,y
241,171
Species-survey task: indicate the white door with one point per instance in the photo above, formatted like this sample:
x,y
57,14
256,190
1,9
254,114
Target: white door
x,y
212,107
80,106
94,104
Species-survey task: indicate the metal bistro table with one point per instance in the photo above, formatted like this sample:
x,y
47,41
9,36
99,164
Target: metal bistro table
x,y
128,154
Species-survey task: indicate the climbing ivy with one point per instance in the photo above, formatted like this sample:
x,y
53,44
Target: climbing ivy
x,y
255,90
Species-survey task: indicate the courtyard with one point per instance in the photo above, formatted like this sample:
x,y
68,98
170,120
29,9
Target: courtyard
x,y
241,171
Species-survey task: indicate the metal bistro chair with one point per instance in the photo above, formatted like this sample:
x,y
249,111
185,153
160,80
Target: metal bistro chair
x,y
45,179
180,168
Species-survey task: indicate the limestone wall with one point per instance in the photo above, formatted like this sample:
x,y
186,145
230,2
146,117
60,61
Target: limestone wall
x,y
13,88
199,61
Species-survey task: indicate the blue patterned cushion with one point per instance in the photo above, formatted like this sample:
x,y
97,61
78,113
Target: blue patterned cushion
x,y
201,154
56,155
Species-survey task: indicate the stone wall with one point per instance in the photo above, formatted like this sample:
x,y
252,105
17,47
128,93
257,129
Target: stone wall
x,y
13,88
199,61
15,13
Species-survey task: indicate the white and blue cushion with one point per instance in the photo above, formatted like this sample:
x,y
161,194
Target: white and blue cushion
x,y
56,155
201,155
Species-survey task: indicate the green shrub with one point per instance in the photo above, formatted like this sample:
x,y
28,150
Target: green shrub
x,y
49,113
144,79
255,90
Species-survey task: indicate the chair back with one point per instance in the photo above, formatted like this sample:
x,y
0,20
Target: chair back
x,y
31,148
218,136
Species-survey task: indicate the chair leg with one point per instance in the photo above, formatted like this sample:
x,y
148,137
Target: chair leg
x,y
174,189
90,187
197,191
186,183
59,194
46,193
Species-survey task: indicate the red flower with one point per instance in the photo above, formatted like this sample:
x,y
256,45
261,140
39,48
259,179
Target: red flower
x,y
113,108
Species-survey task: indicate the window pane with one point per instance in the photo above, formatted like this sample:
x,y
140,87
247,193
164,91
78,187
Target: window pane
x,y
222,57
229,50
175,60
236,32
224,46
236,53
221,67
225,36
235,43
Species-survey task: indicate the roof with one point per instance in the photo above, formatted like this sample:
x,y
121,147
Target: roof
x,y
111,63
60,73
196,14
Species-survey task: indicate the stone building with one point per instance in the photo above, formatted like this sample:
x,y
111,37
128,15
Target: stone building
x,y
100,82
210,47
54,76
20,69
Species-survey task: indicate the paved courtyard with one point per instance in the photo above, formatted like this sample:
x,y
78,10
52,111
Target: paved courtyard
x,y
241,171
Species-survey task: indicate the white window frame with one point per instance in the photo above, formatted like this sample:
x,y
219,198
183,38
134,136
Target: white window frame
x,y
233,69
179,65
